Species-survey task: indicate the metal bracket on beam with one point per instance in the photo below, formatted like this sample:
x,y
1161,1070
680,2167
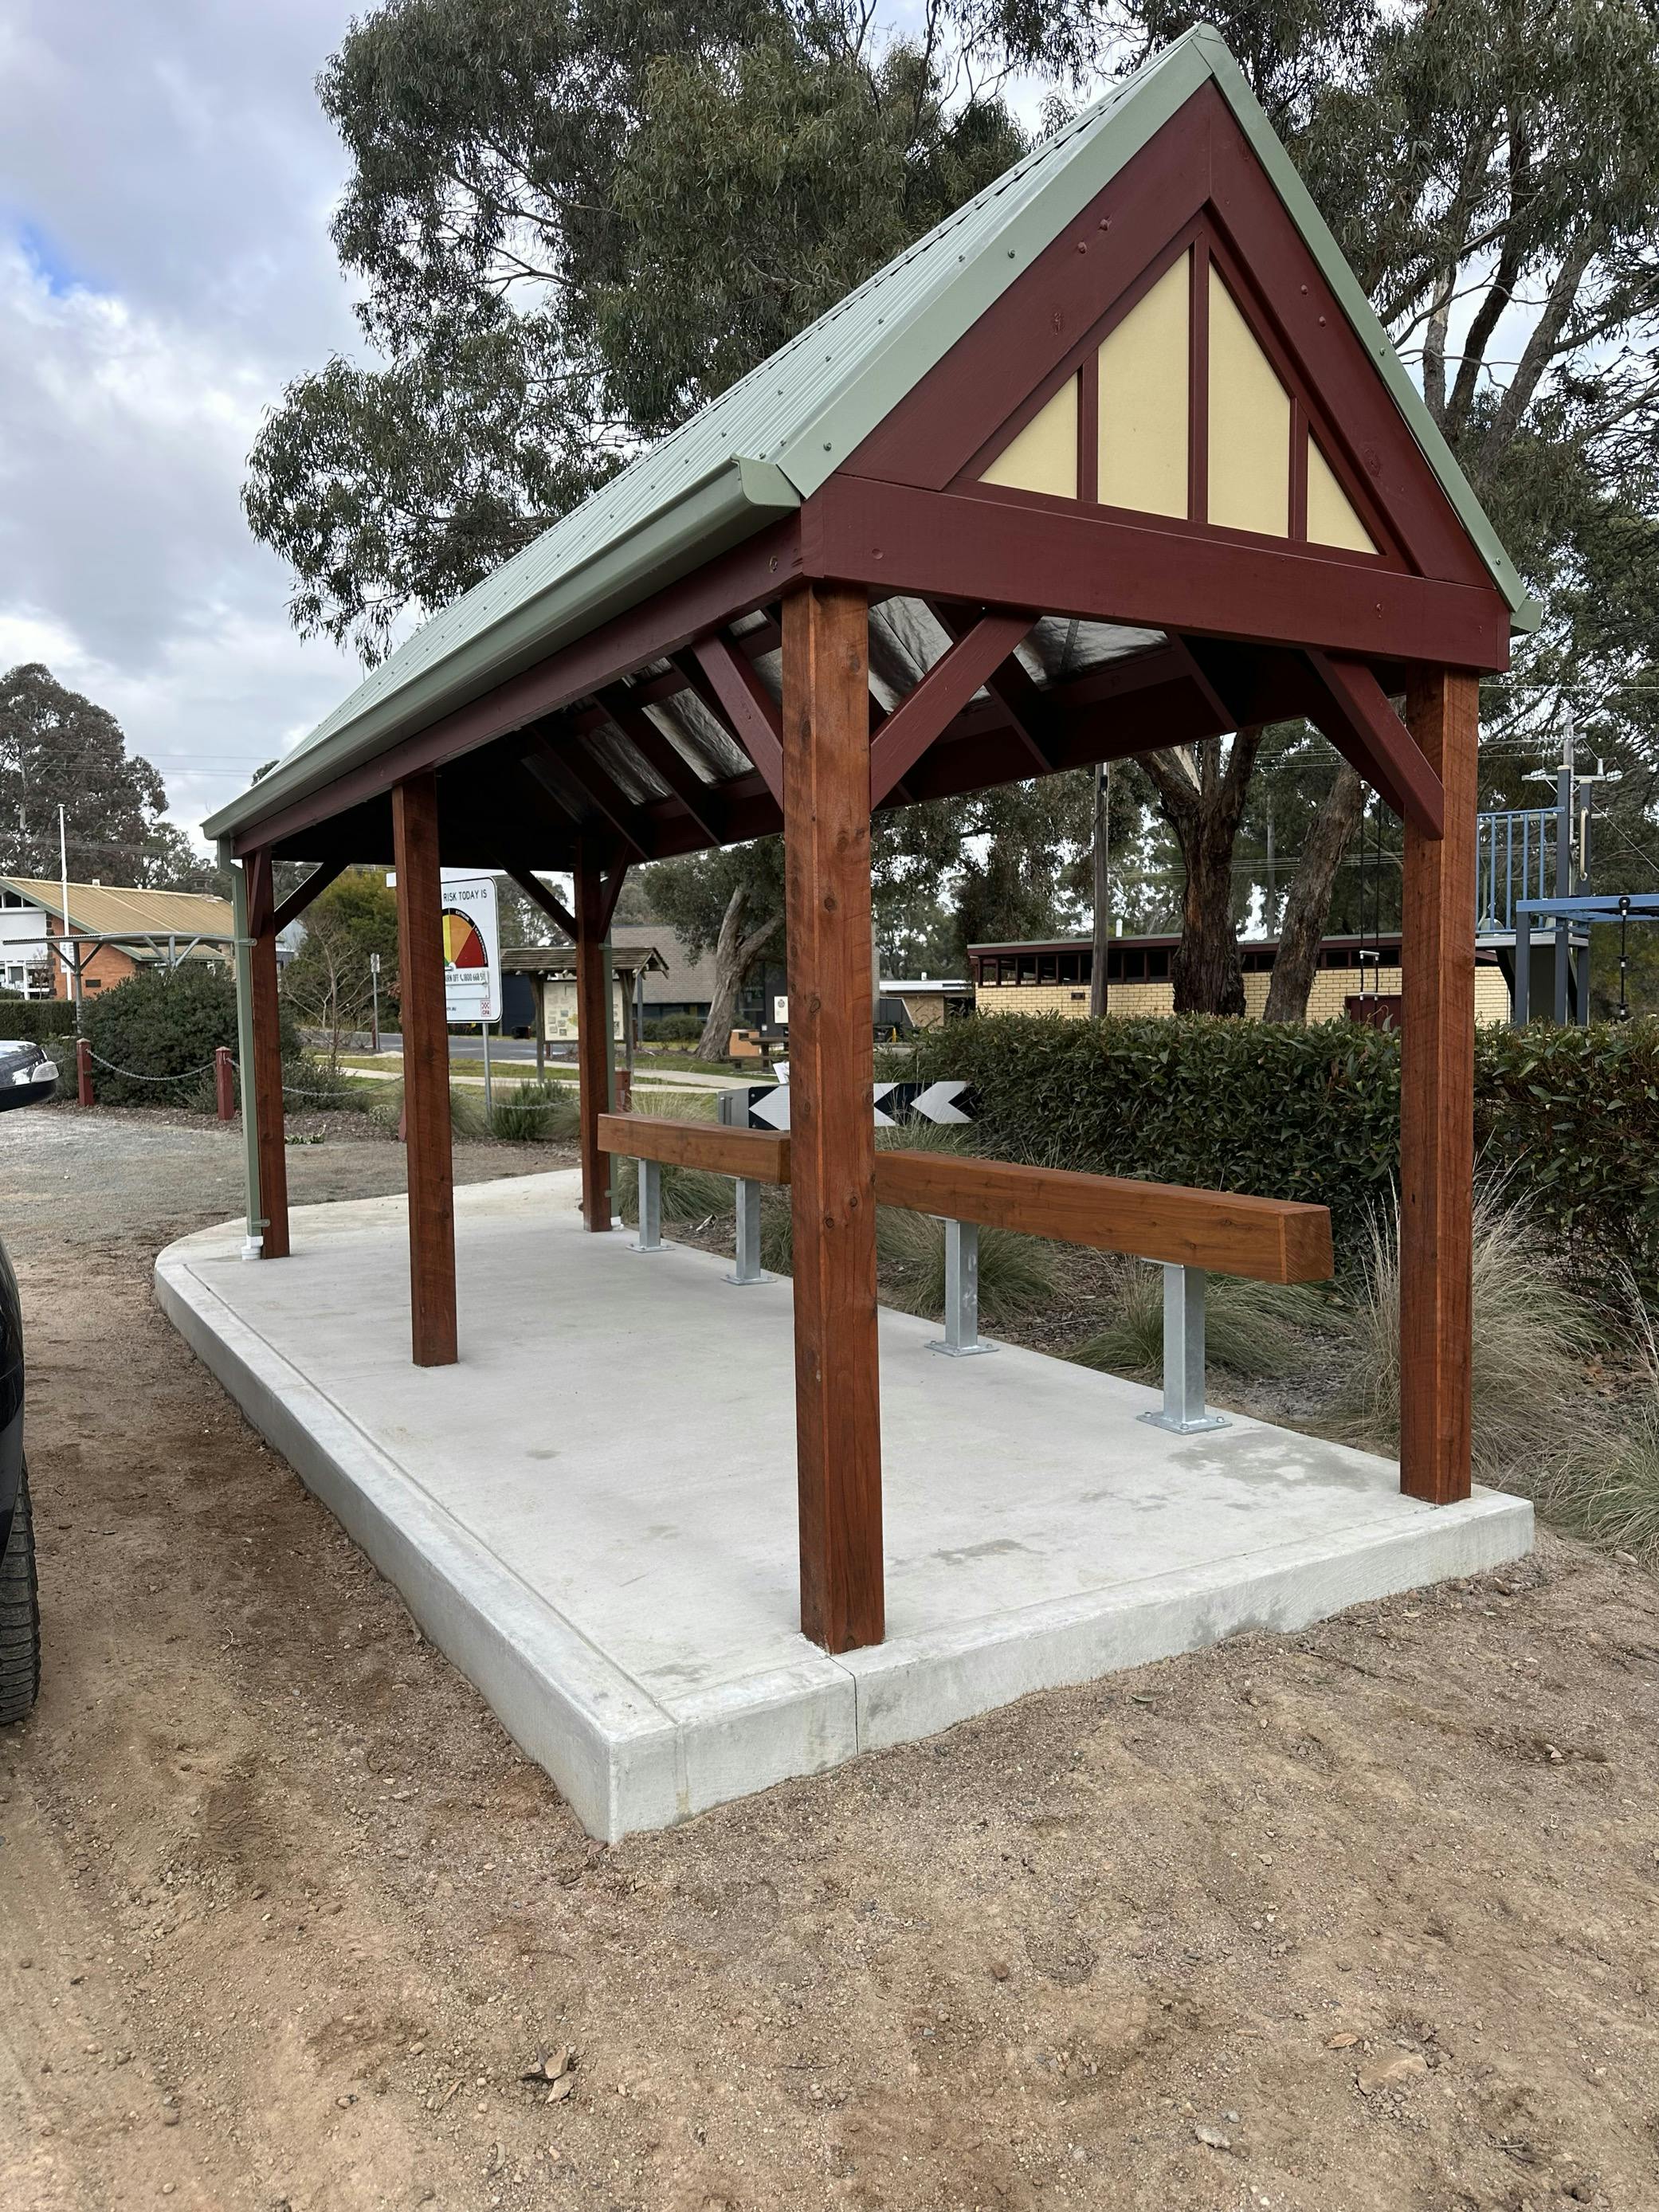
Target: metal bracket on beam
x,y
961,1337
1184,1410
748,1269
649,1239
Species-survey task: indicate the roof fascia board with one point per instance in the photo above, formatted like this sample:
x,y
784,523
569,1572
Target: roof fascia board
x,y
735,503
1298,203
967,290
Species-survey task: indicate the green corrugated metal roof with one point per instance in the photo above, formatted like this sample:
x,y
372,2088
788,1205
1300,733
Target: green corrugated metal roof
x,y
770,441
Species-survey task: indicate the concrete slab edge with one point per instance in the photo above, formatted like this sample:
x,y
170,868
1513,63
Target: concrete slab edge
x,y
915,1687
560,1701
624,1761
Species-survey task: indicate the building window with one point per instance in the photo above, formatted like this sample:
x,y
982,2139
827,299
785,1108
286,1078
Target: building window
x,y
1025,968
1048,968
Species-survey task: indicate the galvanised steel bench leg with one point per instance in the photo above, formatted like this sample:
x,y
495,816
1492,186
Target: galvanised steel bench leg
x,y
1184,1409
748,1269
961,1339
650,1189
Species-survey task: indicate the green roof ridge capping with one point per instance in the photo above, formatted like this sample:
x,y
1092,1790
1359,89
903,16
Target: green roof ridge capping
x,y
772,438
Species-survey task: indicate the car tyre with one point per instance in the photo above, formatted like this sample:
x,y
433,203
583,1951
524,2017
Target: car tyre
x,y
20,1615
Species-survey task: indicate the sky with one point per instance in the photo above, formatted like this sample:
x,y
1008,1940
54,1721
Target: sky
x,y
165,182
166,177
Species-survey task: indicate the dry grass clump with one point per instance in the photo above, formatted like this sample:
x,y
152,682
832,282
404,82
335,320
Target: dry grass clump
x,y
1531,1333
1265,1331
1607,1486
536,1113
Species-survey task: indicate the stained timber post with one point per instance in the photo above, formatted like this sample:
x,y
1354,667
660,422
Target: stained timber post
x,y
826,813
426,1071
1436,1102
265,1088
593,1056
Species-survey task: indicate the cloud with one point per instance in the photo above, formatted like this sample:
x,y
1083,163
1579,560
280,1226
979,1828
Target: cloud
x,y
165,180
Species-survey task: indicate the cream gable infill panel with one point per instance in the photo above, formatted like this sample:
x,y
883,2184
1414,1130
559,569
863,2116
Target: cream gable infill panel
x,y
1331,517
1043,457
1249,426
1144,379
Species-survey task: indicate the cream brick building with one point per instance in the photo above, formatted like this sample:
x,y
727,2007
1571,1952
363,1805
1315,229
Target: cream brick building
x,y
1054,978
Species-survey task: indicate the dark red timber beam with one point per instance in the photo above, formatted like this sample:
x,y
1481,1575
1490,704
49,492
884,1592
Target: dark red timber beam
x,y
550,904
927,709
297,901
1352,710
702,801
751,713
1099,568
735,583
1028,710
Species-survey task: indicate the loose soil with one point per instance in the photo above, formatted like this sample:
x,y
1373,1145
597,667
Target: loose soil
x,y
1359,1918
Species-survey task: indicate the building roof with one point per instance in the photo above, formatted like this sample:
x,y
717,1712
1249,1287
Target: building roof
x,y
561,960
682,980
764,445
111,909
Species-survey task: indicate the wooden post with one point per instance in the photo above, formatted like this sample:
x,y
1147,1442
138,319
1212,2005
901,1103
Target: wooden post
x,y
1436,1102
592,1037
83,1096
267,1085
826,813
426,1070
224,1083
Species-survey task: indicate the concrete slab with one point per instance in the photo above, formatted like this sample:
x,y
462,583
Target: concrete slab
x,y
622,1590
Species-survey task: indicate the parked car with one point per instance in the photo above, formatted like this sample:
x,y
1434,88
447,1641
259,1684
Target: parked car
x,y
27,1078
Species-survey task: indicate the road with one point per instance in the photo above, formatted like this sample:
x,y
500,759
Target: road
x,y
1346,1921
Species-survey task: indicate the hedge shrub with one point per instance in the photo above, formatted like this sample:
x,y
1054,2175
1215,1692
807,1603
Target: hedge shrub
x,y
37,1019
672,1029
157,1024
1570,1117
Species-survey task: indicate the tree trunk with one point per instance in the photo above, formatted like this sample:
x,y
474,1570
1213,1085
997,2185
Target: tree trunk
x,y
1309,904
1203,804
1207,971
734,956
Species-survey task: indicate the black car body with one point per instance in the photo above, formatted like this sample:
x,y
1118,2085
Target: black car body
x,y
27,1078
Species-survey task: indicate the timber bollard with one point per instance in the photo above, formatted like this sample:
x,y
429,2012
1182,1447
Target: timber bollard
x,y
224,1083
82,1071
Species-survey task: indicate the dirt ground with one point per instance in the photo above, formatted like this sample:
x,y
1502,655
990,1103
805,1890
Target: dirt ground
x,y
1359,1918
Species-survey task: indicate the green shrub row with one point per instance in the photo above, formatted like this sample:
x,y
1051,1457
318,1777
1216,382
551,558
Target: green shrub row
x,y
1570,1116
35,1020
672,1029
155,1035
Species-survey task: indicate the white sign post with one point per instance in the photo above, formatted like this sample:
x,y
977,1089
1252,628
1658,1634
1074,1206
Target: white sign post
x,y
472,949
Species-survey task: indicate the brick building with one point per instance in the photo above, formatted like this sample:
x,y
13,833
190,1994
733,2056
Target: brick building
x,y
148,926
1055,977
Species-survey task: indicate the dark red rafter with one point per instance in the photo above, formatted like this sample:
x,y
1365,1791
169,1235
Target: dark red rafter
x,y
1352,710
749,709
1028,710
701,800
573,762
538,895
926,709
297,901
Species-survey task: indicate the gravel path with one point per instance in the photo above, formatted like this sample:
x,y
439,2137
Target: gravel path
x,y
1362,1920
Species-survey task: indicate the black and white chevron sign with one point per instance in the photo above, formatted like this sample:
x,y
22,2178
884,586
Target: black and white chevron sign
x,y
766,1105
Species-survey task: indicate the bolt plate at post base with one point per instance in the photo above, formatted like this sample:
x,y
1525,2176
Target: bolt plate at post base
x,y
1179,1428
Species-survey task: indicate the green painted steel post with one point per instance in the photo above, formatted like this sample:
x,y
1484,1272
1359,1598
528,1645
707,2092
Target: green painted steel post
x,y
253,1246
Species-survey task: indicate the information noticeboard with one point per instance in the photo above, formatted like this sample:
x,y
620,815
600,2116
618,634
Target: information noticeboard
x,y
472,949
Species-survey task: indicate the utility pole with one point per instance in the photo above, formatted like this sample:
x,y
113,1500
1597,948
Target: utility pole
x,y
1563,869
71,959
1102,888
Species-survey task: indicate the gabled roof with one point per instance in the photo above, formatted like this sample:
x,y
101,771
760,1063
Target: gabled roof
x,y
108,909
773,438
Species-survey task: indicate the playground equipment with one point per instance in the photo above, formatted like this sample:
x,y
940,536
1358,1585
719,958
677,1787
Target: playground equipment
x,y
1533,867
